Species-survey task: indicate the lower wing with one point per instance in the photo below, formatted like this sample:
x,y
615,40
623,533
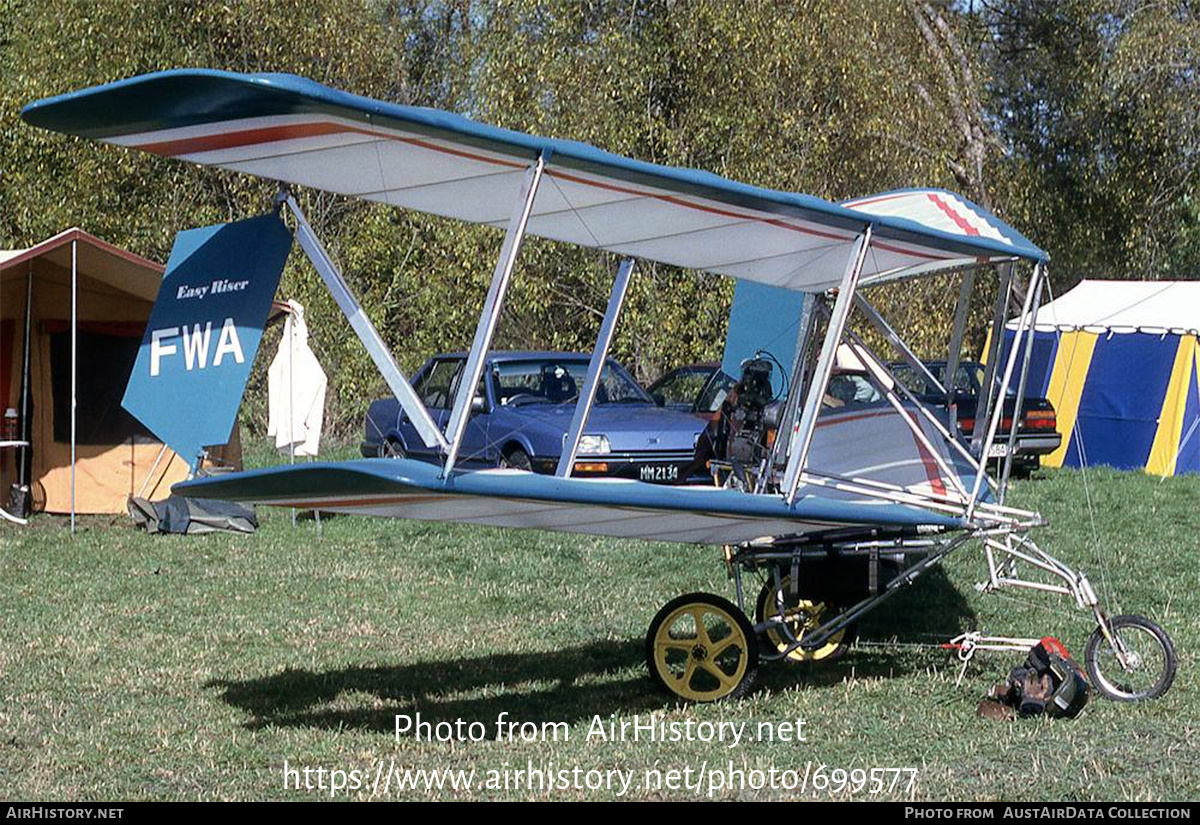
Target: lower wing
x,y
405,488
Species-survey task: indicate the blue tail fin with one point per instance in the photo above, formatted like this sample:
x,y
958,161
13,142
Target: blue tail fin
x,y
204,331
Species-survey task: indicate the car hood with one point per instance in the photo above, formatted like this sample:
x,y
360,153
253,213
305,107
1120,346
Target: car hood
x,y
629,427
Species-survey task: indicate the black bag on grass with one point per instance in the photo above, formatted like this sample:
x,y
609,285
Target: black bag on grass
x,y
192,516
1049,682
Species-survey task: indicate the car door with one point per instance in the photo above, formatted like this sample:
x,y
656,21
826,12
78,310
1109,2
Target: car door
x,y
476,450
437,385
432,385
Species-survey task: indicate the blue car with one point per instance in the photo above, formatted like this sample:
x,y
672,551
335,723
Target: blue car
x,y
522,410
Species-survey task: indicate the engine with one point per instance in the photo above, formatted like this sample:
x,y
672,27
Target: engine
x,y
754,417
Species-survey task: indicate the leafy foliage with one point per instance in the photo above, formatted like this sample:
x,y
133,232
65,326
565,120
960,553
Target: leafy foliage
x,y
1098,102
1074,121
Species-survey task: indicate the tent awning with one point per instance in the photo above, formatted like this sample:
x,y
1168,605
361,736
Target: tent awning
x,y
99,259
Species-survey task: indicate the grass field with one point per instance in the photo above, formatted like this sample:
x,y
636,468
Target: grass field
x,y
135,667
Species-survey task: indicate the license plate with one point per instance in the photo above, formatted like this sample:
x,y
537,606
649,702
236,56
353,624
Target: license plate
x,y
659,472
998,451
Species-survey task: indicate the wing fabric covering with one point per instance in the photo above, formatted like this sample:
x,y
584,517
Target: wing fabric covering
x,y
290,129
406,488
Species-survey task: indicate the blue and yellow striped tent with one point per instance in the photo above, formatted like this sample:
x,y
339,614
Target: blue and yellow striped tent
x,y
1120,361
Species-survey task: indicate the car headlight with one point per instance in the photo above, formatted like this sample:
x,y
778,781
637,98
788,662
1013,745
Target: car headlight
x,y
594,445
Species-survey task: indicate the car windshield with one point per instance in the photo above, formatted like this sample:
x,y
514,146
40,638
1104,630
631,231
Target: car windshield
x,y
967,378
559,380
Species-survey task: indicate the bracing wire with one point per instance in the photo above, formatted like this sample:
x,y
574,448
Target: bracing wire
x,y
1077,436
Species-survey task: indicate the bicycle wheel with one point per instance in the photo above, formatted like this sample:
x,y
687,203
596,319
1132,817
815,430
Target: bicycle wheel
x,y
1144,666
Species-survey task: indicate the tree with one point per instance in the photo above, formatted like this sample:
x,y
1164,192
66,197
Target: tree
x,y
1097,102
958,94
1074,121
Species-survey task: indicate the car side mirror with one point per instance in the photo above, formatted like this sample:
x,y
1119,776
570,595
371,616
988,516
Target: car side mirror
x,y
478,404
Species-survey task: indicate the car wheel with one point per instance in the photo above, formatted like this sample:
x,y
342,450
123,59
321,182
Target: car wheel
x,y
1024,468
516,459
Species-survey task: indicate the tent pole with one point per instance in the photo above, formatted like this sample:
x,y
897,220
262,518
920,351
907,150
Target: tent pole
x,y
23,474
74,365
291,329
290,326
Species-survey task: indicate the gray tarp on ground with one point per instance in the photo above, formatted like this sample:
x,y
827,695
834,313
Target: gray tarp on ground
x,y
192,516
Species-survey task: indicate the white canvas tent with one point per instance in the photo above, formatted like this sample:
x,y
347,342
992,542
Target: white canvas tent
x,y
1120,361
1152,307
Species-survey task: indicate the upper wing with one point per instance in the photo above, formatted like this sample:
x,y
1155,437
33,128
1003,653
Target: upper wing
x,y
939,210
291,129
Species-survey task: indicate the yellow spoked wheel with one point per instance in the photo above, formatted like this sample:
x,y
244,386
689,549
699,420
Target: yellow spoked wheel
x,y
793,617
702,648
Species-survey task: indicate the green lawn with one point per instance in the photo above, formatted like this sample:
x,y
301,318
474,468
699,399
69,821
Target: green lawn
x,y
135,667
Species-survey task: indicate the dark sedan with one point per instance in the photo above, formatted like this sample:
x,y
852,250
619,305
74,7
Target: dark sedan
x,y
522,411
1037,433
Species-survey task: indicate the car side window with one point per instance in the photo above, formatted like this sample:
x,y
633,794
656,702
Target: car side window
x,y
911,380
716,391
682,387
848,388
616,387
436,386
962,379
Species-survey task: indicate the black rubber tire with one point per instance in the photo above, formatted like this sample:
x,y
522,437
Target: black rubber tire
x,y
760,615
1024,469
1104,670
517,459
739,627
391,448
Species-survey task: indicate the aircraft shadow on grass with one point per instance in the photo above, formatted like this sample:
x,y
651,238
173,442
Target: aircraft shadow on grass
x,y
598,678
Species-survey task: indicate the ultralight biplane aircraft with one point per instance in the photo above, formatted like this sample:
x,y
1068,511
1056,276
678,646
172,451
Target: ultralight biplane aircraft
x,y
850,503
